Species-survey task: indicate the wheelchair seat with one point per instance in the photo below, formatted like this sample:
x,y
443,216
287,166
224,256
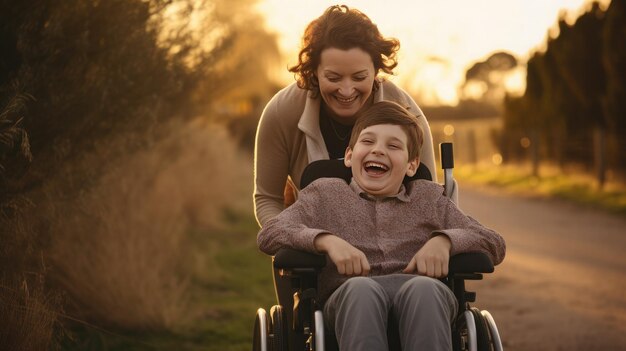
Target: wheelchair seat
x,y
296,323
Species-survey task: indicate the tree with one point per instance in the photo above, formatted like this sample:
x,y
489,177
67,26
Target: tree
x,y
614,63
485,79
575,90
97,80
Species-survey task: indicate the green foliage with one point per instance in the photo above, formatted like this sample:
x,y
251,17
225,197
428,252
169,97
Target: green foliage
x,y
94,69
102,68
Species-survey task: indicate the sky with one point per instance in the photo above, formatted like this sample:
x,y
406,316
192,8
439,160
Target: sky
x,y
439,39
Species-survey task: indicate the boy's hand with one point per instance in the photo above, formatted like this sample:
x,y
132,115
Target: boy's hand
x,y
432,259
348,259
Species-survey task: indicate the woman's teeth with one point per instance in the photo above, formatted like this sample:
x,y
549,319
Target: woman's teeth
x,y
345,100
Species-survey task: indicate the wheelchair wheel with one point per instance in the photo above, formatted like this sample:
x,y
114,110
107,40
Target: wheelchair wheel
x,y
278,329
319,331
466,329
260,336
483,335
493,330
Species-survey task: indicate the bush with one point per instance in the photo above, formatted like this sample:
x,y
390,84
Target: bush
x,y
122,249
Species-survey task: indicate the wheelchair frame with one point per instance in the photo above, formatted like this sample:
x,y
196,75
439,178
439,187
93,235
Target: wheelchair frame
x,y
296,323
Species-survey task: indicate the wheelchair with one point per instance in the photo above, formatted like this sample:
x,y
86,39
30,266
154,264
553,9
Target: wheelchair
x,y
296,322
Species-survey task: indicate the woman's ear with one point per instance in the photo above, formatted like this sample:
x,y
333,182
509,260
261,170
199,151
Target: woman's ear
x,y
412,167
347,158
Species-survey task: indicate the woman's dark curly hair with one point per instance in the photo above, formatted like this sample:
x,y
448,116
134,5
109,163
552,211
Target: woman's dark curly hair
x,y
342,28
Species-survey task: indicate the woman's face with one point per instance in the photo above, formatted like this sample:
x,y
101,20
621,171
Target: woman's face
x,y
346,79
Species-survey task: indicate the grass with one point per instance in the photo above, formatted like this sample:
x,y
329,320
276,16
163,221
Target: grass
x,y
574,186
245,285
224,303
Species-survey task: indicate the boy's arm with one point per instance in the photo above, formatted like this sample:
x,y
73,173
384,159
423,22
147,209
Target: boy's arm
x,y
466,234
460,233
348,259
296,227
432,259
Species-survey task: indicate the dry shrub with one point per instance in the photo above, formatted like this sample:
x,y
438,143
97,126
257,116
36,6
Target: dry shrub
x,y
27,316
121,248
28,311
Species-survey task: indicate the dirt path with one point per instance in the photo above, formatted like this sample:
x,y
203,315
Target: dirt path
x,y
562,285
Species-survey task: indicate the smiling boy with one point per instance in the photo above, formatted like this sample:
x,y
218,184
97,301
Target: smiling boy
x,y
378,233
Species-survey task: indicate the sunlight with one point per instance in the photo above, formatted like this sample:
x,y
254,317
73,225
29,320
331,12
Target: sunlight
x,y
179,19
475,90
515,82
496,159
431,80
460,32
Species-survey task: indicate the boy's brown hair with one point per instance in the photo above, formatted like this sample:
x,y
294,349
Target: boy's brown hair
x,y
389,112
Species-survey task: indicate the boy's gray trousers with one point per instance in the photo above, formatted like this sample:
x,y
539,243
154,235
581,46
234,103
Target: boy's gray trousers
x,y
423,307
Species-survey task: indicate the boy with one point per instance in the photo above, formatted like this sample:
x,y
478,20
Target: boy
x,y
378,233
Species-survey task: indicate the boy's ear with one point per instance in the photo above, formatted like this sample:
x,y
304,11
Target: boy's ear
x,y
413,165
347,158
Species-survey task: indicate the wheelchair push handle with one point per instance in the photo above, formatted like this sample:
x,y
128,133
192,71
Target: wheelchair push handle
x,y
447,163
447,156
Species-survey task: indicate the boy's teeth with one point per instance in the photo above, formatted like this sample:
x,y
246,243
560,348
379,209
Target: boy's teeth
x,y
376,164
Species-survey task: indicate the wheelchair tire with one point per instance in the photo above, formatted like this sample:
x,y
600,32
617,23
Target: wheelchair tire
x,y
493,330
466,329
483,335
320,342
278,329
260,333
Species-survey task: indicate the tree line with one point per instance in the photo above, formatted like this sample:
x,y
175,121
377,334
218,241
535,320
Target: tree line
x,y
84,84
573,110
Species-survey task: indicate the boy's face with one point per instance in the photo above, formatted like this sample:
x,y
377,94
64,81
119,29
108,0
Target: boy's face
x,y
380,159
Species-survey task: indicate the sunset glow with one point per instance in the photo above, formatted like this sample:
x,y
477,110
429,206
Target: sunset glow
x,y
440,39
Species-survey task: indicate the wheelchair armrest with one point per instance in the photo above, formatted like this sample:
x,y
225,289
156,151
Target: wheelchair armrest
x,y
291,259
471,262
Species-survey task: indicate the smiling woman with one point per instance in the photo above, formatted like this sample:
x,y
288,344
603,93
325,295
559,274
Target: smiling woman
x,y
337,74
346,80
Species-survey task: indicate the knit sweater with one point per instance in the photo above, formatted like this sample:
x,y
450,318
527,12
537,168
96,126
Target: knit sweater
x,y
388,231
289,138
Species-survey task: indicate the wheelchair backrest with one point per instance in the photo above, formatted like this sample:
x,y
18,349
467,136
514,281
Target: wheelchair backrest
x,y
337,169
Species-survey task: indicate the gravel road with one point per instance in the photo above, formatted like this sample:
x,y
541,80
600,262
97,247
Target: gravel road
x,y
562,285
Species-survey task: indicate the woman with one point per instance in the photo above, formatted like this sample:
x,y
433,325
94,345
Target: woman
x,y
337,77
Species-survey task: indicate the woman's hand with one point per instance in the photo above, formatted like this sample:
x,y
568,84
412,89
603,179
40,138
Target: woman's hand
x,y
432,259
348,259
